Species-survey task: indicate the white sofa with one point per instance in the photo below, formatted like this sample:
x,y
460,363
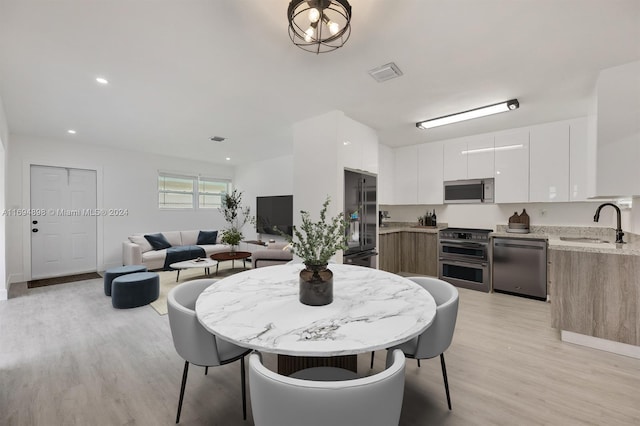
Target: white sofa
x,y
136,250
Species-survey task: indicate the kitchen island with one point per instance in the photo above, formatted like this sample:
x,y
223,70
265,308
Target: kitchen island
x,y
594,288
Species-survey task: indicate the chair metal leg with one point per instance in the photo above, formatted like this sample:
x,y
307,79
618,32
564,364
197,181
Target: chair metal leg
x,y
184,383
244,392
372,355
446,382
418,363
206,370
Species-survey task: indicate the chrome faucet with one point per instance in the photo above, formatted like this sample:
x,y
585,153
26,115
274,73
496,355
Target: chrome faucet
x,y
619,232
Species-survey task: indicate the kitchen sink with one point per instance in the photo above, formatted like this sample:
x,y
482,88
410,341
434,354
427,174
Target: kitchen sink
x,y
584,240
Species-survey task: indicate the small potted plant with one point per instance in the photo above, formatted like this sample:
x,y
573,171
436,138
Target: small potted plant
x,y
236,216
315,243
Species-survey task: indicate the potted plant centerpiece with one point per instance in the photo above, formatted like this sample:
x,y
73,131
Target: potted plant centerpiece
x,y
236,216
315,243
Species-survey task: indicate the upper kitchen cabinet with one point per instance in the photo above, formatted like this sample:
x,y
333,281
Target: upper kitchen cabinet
x,y
618,131
549,162
385,174
469,158
512,167
357,145
579,188
406,175
430,172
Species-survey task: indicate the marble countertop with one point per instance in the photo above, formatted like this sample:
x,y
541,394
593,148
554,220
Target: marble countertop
x,y
553,233
406,227
371,310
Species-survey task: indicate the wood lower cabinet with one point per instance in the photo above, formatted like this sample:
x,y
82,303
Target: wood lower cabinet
x,y
411,252
595,294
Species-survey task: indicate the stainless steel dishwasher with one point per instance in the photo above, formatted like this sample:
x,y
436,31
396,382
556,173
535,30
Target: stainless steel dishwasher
x,y
520,267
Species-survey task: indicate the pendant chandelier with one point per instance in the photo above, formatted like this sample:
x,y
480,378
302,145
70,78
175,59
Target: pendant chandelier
x,y
319,26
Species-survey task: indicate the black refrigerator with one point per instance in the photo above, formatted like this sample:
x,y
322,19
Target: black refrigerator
x,y
361,213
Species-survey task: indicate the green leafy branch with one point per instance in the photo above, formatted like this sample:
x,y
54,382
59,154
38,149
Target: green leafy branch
x,y
316,242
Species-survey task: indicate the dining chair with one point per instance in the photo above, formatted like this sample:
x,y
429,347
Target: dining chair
x,y
193,342
436,339
278,400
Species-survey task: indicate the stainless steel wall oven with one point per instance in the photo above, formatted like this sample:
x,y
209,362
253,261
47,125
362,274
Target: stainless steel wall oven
x,y
465,258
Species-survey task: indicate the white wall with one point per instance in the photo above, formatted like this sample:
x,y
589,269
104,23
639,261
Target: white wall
x,y
489,215
4,143
126,180
263,178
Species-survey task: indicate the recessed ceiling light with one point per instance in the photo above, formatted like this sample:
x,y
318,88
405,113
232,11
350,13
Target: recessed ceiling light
x,y
102,80
71,132
228,158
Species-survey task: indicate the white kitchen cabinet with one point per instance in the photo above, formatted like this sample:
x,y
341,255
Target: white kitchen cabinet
x,y
549,162
578,160
469,158
455,159
357,146
385,174
430,173
406,175
512,167
480,157
618,131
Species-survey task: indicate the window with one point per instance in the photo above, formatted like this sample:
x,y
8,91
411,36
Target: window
x,y
188,192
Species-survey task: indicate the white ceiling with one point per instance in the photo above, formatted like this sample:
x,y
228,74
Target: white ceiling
x,y
183,71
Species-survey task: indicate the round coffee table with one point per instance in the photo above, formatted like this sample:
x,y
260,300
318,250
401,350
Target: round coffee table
x,y
195,263
232,256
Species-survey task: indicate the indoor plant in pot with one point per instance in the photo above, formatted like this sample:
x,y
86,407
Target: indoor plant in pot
x,y
236,217
315,243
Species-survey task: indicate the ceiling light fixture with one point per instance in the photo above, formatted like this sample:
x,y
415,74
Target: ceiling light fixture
x,y
468,115
102,80
228,158
71,132
319,26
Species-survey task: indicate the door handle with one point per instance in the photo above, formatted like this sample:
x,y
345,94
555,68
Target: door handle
x,y
34,230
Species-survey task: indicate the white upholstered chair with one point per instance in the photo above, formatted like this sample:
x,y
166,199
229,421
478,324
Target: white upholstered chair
x,y
437,338
278,400
193,342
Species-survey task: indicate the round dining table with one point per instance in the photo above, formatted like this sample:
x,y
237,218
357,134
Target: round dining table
x,y
371,310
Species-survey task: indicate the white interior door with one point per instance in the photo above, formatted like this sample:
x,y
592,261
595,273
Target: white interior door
x,y
63,221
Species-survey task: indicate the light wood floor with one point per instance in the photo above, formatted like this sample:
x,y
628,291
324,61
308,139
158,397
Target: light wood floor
x,y
68,358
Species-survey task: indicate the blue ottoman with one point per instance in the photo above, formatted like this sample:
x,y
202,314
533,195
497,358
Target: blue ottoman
x,y
133,290
111,274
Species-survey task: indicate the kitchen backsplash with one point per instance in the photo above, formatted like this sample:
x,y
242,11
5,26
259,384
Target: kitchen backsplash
x,y
487,216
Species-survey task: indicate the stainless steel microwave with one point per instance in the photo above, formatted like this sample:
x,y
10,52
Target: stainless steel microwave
x,y
468,191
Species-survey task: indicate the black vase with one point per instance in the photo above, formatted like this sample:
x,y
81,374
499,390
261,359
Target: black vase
x,y
316,285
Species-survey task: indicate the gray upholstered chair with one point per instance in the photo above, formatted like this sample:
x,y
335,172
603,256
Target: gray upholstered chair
x,y
274,254
437,338
278,400
193,342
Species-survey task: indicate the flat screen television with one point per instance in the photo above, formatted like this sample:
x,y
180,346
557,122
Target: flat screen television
x,y
275,211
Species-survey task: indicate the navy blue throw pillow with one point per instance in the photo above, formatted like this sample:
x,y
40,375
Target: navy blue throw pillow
x,y
207,237
157,241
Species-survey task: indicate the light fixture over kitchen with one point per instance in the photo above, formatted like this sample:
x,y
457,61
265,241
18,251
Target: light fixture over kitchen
x,y
468,115
319,26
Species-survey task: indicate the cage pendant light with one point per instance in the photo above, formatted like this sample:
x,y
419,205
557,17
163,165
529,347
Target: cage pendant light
x,y
319,26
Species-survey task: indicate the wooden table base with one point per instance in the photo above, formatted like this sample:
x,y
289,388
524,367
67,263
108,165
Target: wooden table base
x,y
288,364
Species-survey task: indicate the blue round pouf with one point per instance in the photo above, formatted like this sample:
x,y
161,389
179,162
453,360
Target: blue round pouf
x,y
133,290
112,273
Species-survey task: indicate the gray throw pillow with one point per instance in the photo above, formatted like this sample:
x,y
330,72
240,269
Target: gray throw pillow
x,y
157,241
207,238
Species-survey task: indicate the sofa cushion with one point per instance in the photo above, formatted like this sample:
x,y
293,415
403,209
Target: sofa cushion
x,y
207,237
189,238
157,241
142,242
174,238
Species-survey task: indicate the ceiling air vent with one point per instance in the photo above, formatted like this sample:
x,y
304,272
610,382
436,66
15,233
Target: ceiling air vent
x,y
217,138
385,72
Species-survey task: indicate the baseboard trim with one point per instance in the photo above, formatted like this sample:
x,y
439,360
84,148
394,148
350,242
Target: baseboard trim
x,y
4,294
601,344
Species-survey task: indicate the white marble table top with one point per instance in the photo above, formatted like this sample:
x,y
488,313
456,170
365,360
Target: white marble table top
x,y
371,310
